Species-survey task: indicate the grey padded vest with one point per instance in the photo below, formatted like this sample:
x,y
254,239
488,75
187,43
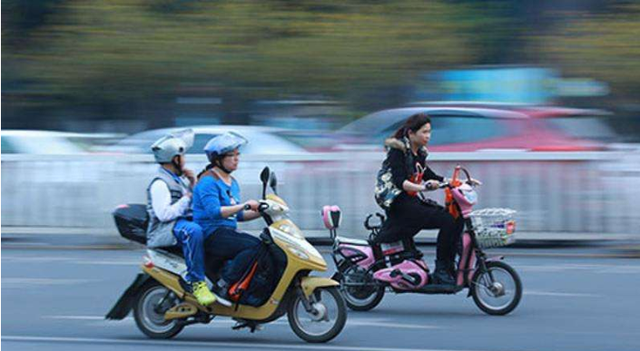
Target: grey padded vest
x,y
160,234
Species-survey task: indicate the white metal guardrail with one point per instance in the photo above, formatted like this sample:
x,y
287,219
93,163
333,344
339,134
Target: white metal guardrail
x,y
552,192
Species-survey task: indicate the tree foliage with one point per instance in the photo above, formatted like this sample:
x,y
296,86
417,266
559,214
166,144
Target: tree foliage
x,y
605,46
128,49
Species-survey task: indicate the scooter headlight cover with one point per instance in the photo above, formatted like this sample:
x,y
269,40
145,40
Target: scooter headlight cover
x,y
290,228
471,196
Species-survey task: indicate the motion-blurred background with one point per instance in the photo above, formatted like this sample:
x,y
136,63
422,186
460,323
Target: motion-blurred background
x,y
539,99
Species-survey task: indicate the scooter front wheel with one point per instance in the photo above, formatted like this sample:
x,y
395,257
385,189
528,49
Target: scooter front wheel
x,y
496,290
322,320
153,301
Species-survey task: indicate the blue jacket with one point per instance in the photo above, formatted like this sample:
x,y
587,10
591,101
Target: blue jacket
x,y
210,194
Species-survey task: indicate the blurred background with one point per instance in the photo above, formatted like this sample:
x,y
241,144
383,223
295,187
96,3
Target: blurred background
x,y
539,99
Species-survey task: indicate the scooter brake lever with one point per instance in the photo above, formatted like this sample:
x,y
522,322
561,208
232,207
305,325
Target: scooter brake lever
x,y
366,222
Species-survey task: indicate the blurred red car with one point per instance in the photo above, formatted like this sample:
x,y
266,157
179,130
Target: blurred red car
x,y
461,127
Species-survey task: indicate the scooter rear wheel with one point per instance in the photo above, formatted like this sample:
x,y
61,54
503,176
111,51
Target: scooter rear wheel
x,y
497,293
149,313
359,298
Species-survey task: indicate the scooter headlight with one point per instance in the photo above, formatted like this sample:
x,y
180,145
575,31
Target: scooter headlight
x,y
289,228
471,196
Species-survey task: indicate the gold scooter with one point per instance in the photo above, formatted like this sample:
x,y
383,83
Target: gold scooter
x,y
163,306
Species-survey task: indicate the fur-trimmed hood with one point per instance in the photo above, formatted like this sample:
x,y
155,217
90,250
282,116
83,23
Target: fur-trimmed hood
x,y
402,145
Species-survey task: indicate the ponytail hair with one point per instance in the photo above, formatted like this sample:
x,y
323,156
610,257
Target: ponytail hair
x,y
413,123
205,170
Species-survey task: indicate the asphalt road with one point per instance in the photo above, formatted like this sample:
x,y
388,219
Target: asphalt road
x,y
574,300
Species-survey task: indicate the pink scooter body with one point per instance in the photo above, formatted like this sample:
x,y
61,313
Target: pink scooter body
x,y
411,267
416,269
467,260
351,250
466,206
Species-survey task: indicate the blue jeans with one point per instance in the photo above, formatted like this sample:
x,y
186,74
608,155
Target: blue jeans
x,y
191,238
226,243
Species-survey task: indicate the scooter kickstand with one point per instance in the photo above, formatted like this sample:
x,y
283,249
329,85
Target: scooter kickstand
x,y
242,323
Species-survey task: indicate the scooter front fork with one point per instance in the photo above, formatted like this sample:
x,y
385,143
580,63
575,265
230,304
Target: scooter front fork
x,y
315,308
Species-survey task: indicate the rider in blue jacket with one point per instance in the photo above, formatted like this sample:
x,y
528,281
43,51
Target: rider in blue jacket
x,y
217,209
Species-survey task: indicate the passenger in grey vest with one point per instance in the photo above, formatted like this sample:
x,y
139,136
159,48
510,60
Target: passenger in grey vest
x,y
169,207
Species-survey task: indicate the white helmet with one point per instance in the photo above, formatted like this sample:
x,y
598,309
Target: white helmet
x,y
224,143
172,145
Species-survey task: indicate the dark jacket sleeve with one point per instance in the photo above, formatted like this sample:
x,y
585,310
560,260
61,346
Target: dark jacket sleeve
x,y
397,164
429,174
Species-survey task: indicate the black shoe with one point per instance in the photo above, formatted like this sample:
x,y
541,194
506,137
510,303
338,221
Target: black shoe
x,y
442,275
452,269
221,293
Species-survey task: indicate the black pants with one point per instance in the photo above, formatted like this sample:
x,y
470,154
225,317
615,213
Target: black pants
x,y
238,248
409,215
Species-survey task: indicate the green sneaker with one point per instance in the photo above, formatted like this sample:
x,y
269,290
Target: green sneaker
x,y
202,293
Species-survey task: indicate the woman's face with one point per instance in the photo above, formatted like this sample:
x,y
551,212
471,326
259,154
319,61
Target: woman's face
x,y
230,161
422,136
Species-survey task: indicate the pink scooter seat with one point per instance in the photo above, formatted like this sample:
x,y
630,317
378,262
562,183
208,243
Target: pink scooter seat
x,y
351,241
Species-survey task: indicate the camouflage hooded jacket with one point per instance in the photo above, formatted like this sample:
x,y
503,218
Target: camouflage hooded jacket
x,y
386,190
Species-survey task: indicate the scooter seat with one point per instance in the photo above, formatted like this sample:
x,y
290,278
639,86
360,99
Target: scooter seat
x,y
351,241
174,250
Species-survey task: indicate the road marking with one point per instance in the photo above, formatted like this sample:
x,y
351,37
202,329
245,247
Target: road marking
x,y
620,270
19,282
111,263
71,260
391,325
35,259
594,268
180,343
558,294
351,322
82,318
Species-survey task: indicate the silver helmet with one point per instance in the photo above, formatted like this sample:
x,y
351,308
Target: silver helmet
x,y
224,143
172,145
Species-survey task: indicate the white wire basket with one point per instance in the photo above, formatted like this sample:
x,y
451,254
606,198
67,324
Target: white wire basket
x,y
494,227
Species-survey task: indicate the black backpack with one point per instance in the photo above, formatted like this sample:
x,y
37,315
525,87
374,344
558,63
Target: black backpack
x,y
271,263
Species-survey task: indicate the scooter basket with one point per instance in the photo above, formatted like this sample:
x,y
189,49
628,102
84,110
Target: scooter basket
x,y
494,227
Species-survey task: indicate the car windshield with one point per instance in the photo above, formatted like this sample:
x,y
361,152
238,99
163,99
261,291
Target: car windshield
x,y
7,147
259,143
587,127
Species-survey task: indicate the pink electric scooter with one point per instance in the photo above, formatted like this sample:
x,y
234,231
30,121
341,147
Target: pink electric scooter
x,y
366,268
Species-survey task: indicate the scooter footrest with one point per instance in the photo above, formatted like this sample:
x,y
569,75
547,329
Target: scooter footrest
x,y
439,289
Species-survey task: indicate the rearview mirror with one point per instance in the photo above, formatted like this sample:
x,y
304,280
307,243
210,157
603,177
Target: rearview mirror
x,y
264,177
273,182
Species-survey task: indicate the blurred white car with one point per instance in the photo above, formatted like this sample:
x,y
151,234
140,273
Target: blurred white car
x,y
262,140
39,142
